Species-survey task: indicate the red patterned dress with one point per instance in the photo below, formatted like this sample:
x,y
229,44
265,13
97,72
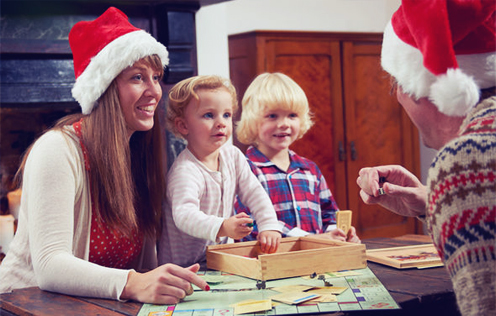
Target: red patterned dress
x,y
107,247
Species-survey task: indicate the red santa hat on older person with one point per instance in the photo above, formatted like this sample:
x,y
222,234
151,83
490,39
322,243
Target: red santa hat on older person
x,y
444,50
102,48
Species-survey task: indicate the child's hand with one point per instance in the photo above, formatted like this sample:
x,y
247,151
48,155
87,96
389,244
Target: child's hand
x,y
338,234
352,236
235,226
269,240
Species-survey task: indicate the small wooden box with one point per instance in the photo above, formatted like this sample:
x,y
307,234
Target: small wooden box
x,y
296,256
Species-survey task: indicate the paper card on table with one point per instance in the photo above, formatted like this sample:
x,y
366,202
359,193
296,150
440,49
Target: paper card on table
x,y
251,301
343,220
328,290
292,288
294,297
342,274
167,313
252,306
324,298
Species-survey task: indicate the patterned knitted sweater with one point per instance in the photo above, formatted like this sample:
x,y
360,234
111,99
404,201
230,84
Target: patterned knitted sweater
x,y
462,208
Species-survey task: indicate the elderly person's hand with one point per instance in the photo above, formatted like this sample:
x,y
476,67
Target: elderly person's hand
x,y
403,194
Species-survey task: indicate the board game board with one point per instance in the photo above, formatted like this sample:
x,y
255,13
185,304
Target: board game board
x,y
364,292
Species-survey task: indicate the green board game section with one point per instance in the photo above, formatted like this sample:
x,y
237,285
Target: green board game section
x,y
363,292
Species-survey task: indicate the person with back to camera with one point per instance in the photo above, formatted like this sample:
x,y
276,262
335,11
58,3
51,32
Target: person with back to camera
x,y
442,57
275,114
92,186
207,175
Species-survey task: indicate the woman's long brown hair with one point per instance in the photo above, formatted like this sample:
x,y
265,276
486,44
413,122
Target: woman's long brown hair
x,y
127,177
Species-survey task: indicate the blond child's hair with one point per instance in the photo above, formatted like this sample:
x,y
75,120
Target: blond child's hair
x,y
184,91
271,91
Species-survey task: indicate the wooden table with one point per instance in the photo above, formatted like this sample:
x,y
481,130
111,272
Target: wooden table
x,y
418,291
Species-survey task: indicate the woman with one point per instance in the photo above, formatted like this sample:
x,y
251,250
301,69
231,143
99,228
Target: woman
x,y
93,185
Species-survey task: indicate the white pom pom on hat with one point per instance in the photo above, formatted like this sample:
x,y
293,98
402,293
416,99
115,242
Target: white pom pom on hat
x,y
444,50
102,48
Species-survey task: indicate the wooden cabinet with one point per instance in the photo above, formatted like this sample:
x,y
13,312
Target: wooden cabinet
x,y
357,122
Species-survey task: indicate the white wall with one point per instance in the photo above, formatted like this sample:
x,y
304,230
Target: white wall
x,y
211,39
309,15
215,22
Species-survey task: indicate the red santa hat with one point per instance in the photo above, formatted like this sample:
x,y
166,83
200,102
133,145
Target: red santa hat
x,y
102,48
443,50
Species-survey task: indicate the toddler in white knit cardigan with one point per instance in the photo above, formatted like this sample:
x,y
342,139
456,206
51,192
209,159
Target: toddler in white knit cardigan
x,y
206,177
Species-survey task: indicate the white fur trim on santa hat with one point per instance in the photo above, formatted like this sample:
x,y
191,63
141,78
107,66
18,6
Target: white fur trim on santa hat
x,y
453,93
404,63
103,68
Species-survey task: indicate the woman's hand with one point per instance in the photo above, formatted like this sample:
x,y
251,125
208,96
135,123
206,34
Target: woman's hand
x,y
269,240
403,194
166,284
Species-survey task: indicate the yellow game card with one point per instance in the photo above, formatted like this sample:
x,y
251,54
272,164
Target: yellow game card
x,y
342,274
294,297
344,220
252,306
328,290
292,288
324,298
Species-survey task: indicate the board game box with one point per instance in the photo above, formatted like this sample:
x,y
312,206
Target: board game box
x,y
296,256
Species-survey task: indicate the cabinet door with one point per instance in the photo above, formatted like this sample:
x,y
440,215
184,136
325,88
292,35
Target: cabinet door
x,y
315,66
378,132
357,122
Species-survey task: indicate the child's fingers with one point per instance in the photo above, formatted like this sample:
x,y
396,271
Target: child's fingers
x,y
352,236
338,234
243,231
271,245
246,222
269,242
263,242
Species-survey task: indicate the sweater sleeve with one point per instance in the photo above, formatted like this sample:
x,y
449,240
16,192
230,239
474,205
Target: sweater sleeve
x,y
461,214
192,204
51,178
253,195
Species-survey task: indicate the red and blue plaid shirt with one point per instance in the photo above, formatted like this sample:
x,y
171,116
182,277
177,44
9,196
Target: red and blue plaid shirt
x,y
300,196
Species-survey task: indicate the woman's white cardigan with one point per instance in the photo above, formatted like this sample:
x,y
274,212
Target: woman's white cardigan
x,y
51,246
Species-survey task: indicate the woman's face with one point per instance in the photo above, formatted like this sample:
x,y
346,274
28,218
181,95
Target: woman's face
x,y
139,93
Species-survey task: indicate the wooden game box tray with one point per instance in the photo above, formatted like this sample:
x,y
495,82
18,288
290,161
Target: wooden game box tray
x,y
296,256
415,256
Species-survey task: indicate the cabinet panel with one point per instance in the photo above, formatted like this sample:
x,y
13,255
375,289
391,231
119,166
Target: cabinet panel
x,y
376,127
357,122
314,65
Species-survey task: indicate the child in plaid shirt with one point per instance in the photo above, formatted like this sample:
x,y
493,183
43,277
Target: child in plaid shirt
x,y
275,114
